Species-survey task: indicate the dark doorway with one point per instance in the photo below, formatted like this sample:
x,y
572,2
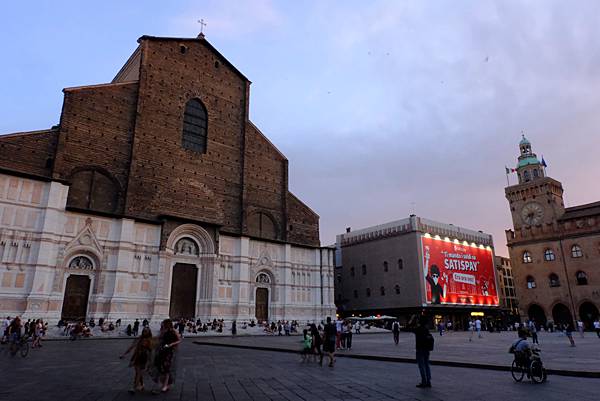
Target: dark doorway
x,y
262,304
588,313
183,291
77,292
561,314
536,313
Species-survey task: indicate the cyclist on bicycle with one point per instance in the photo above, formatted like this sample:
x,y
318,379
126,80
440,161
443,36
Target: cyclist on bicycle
x,y
522,349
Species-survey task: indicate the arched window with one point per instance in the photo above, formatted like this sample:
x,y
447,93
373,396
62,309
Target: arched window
x,y
397,288
195,122
530,282
526,257
364,269
549,255
526,175
382,290
576,251
94,190
262,225
400,264
352,271
581,278
554,281
385,266
535,173
368,292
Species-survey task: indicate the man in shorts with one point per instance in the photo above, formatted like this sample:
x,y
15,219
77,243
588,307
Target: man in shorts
x,y
330,334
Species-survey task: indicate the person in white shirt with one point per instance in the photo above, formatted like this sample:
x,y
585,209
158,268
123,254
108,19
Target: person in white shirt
x,y
597,327
5,324
338,337
580,327
478,327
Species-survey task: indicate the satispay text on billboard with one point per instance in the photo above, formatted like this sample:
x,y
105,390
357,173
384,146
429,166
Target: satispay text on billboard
x,y
458,274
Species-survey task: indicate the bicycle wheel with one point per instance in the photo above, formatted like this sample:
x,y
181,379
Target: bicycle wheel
x,y
13,348
538,373
24,349
517,371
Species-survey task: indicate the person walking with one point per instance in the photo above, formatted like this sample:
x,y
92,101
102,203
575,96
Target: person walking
x,y
423,346
478,327
396,332
330,337
569,333
165,360
306,345
140,359
136,327
597,327
348,335
471,329
338,335
533,331
580,327
317,341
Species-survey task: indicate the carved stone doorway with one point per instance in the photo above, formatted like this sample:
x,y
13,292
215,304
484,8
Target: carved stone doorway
x,y
262,304
77,292
183,291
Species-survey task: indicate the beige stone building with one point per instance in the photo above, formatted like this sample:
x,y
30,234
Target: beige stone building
x,y
382,270
506,282
555,251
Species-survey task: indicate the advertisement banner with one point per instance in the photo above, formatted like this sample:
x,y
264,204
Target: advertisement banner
x,y
458,274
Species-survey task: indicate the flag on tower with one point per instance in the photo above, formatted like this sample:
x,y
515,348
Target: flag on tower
x,y
544,162
509,170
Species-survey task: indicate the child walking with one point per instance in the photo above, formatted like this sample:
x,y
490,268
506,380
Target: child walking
x,y
306,345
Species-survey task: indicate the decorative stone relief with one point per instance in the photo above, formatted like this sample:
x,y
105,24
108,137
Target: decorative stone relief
x,y
81,263
263,278
186,246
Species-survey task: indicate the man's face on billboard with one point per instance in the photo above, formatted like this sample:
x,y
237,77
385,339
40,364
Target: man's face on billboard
x,y
435,277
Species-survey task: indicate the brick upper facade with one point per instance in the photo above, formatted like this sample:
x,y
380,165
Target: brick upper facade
x,y
119,146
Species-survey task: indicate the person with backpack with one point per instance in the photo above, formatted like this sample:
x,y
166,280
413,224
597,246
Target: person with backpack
x,y
396,332
423,345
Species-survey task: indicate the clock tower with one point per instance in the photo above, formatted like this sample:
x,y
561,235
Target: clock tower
x,y
536,200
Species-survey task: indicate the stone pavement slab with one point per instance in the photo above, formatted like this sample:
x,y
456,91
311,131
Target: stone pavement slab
x,y
91,371
491,349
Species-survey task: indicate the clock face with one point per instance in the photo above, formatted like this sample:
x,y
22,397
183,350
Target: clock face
x,y
532,213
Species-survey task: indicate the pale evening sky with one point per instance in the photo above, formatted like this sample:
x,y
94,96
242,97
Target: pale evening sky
x,y
378,105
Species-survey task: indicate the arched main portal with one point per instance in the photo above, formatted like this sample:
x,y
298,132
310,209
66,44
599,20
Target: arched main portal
x,y
537,314
263,282
588,313
77,292
561,314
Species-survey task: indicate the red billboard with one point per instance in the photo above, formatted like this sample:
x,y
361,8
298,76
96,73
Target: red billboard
x,y
458,274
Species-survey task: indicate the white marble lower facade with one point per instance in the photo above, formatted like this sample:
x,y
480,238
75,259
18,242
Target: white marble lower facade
x,y
42,245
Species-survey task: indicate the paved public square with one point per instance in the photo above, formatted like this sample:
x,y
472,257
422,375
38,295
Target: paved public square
x,y
490,349
90,370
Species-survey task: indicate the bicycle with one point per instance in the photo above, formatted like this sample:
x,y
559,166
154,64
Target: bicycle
x,y
533,367
21,346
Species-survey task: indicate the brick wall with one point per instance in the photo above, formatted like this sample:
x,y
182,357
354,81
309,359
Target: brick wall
x,y
29,152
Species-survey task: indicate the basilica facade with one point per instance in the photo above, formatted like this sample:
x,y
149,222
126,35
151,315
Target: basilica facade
x,y
155,196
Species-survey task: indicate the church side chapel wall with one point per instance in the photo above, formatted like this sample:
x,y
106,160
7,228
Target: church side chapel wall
x,y
96,134
31,152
